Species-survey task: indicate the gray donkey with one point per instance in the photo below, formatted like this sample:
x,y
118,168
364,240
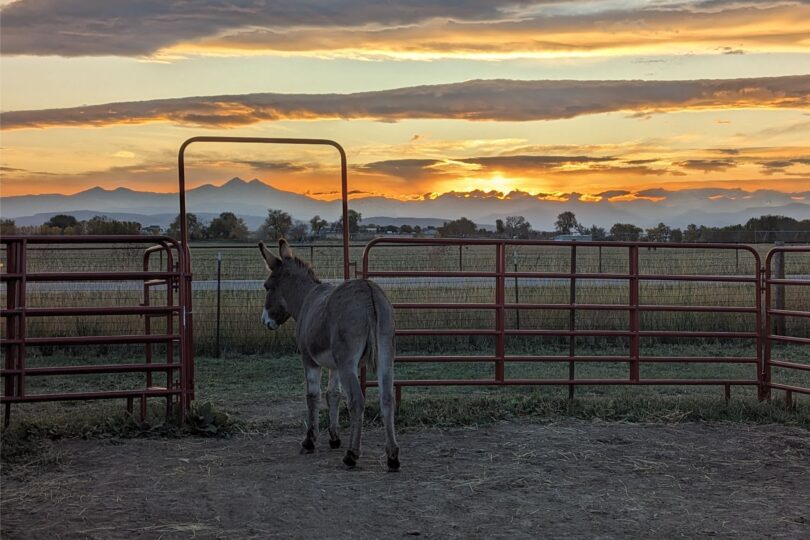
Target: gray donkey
x,y
336,327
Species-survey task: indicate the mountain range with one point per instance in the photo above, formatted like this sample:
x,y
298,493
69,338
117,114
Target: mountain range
x,y
251,199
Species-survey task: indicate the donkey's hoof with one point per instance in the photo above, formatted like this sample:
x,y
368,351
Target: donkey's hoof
x,y
350,459
393,464
307,447
334,443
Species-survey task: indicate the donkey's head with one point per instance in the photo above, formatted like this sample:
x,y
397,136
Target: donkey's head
x,y
275,306
287,284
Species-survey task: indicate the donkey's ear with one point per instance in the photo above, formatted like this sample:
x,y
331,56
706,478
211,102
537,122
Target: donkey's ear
x,y
270,260
284,249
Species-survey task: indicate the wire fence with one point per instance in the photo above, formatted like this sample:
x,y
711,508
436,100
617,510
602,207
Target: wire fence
x,y
228,296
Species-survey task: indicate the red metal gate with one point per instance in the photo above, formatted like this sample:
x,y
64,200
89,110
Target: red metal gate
x,y
786,307
173,279
749,276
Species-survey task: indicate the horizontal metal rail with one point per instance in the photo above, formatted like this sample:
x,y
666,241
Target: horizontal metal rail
x,y
89,276
110,394
90,369
575,382
94,310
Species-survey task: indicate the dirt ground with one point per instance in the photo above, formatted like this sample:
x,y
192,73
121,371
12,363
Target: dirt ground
x,y
511,479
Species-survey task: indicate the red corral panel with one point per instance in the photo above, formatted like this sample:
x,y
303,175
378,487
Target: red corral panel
x,y
638,280
166,298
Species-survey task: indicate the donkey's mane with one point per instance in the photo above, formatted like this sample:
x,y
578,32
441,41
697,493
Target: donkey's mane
x,y
303,265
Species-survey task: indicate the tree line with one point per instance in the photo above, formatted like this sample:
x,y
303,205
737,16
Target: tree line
x,y
62,224
768,228
229,226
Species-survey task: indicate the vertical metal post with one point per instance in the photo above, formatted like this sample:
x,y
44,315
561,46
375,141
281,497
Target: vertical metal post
x,y
22,326
219,298
500,296
12,320
600,259
779,291
764,323
635,324
572,321
517,295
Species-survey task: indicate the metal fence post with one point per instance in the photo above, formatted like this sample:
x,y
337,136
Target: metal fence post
x,y
779,291
219,298
600,259
517,295
635,316
500,314
572,321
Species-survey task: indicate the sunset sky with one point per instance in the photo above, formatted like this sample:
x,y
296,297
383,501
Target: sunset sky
x,y
603,98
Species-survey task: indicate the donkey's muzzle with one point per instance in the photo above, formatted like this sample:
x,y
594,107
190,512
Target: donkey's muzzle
x,y
268,321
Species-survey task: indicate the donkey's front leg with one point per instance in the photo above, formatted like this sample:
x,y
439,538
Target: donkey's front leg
x,y
333,401
313,375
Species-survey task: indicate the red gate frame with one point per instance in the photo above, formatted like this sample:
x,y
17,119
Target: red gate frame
x,y
634,332
344,181
769,336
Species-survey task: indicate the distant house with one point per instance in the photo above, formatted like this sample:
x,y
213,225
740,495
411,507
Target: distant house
x,y
573,238
152,229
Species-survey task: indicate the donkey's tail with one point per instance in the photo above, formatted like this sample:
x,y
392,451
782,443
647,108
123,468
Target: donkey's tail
x,y
373,333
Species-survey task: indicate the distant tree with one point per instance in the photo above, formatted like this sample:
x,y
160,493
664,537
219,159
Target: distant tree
x,y
676,235
516,227
105,225
227,226
597,233
195,229
417,229
277,224
659,233
565,223
771,223
7,227
458,227
354,222
692,233
316,225
62,221
406,229
625,232
298,232
500,228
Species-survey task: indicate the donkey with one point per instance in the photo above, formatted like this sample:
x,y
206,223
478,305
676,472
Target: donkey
x,y
336,327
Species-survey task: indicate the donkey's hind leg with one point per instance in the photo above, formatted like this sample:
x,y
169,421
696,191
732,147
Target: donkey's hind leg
x,y
313,374
356,404
333,400
385,380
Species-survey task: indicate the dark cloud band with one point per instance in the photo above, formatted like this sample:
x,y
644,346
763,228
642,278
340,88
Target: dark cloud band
x,y
494,100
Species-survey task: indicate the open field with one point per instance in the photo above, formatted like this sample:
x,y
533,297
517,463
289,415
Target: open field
x,y
512,461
